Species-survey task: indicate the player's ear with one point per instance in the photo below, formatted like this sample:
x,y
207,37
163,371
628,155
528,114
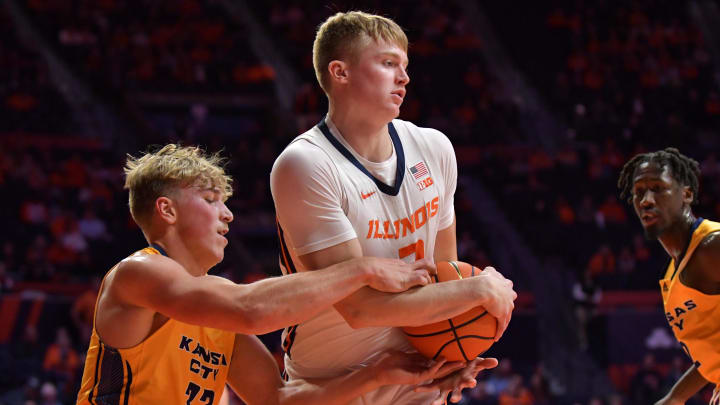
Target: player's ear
x,y
338,71
165,209
688,195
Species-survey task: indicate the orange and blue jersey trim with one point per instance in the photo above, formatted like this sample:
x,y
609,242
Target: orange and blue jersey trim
x,y
285,257
287,262
159,249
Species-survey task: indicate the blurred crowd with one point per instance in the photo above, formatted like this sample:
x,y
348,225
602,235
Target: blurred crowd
x,y
28,99
180,46
620,80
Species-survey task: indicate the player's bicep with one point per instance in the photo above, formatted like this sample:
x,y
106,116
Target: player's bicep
x,y
164,286
309,200
446,244
448,166
323,258
253,372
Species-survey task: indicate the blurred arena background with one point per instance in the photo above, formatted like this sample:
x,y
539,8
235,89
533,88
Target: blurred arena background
x,y
543,101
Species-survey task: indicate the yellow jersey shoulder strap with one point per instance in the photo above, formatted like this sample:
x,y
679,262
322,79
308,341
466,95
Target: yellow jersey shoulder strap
x,y
700,229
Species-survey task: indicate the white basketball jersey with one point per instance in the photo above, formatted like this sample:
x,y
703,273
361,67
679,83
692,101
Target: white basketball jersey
x,y
326,194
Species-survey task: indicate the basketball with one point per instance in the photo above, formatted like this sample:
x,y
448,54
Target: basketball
x,y
461,338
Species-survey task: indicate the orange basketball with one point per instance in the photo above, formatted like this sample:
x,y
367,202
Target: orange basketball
x,y
461,338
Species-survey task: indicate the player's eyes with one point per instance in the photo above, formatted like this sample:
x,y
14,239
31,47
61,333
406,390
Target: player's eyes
x,y
657,189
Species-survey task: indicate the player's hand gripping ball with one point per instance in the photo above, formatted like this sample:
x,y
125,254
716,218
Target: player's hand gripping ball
x,y
461,338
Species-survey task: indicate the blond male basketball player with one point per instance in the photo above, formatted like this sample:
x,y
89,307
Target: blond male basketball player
x,y
362,183
166,332
662,186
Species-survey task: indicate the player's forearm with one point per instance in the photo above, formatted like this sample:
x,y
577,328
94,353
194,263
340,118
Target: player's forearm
x,y
281,301
417,306
688,385
336,391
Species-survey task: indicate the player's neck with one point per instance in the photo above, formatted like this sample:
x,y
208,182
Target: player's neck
x,y
177,251
675,239
370,139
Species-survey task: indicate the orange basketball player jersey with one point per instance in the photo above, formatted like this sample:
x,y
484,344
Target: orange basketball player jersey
x,y
692,315
178,364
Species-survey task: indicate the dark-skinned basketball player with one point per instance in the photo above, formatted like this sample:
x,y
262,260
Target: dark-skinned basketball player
x,y
662,186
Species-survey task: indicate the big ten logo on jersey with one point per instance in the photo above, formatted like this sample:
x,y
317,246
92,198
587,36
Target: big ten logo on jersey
x,y
423,184
675,317
204,362
421,174
381,229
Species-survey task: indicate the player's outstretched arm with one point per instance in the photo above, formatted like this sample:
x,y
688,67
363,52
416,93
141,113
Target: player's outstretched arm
x,y
419,306
688,385
162,285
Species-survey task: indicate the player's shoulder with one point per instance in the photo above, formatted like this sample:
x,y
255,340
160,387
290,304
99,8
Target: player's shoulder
x,y
141,268
430,136
305,154
710,245
414,129
707,255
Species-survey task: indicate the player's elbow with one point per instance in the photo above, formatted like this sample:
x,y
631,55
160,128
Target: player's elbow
x,y
245,323
250,319
259,319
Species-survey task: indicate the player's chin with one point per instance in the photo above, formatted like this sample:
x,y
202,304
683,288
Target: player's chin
x,y
652,232
218,256
219,251
394,110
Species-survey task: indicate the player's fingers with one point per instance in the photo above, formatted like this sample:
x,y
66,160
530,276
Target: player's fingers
x,y
429,370
502,325
436,367
416,278
426,264
426,388
449,368
434,385
440,400
424,276
457,392
486,363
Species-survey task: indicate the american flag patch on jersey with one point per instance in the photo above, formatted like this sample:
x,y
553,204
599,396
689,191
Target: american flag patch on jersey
x,y
419,170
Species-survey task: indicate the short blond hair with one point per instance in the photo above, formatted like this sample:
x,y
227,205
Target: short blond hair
x,y
339,36
161,173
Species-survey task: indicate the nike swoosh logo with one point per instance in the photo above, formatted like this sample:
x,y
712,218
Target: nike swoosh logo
x,y
364,196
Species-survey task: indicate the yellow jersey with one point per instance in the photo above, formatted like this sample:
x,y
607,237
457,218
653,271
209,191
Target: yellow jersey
x,y
692,315
177,364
